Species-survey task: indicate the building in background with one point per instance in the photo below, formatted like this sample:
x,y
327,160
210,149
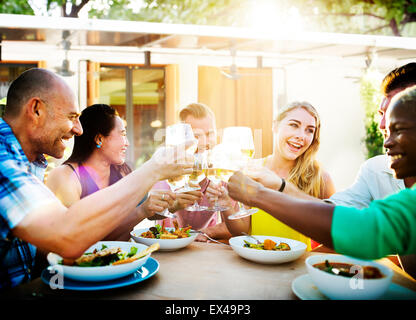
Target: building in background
x,y
148,71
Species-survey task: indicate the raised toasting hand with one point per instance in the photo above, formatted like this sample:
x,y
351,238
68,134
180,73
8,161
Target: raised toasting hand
x,y
173,161
265,176
157,201
242,188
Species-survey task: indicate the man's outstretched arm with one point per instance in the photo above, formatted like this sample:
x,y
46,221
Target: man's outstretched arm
x,y
311,218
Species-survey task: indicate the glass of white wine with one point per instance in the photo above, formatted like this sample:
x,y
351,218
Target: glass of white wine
x,y
241,138
198,175
220,168
177,134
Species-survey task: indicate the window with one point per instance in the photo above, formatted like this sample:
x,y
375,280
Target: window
x,y
8,73
138,95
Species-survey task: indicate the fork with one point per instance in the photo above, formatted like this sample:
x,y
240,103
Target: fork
x,y
250,236
211,239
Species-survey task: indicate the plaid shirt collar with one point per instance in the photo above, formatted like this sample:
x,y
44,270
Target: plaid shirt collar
x,y
40,162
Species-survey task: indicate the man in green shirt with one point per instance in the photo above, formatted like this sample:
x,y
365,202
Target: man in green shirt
x,y
387,226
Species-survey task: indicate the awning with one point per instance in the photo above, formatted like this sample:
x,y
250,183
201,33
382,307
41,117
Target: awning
x,y
204,40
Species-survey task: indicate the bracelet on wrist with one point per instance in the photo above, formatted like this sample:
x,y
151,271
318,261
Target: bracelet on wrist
x,y
282,186
143,200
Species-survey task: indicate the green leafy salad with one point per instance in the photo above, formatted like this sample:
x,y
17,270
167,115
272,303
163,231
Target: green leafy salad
x,y
104,257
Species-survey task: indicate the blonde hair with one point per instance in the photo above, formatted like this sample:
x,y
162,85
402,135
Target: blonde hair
x,y
196,110
307,172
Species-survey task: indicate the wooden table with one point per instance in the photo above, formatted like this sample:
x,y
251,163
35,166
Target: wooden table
x,y
201,271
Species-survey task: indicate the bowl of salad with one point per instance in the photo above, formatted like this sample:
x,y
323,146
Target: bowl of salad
x,y
103,261
169,239
270,250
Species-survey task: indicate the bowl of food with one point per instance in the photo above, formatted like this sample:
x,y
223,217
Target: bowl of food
x,y
103,261
346,278
169,239
271,250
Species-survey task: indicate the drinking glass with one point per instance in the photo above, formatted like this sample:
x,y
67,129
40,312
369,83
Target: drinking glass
x,y
197,175
178,134
241,138
221,168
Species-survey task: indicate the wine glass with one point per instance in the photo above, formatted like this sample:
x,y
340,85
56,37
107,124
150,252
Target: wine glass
x,y
177,134
221,168
197,175
242,138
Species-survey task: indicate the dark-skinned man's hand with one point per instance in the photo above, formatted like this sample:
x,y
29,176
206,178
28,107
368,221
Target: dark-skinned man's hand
x,y
242,188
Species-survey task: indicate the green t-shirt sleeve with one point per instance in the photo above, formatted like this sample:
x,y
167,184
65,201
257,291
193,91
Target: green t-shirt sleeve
x,y
386,227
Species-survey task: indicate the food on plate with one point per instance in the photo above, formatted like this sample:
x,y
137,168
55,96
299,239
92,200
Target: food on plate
x,y
268,245
159,232
349,270
109,256
146,251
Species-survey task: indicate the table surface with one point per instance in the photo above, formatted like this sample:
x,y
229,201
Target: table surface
x,y
205,271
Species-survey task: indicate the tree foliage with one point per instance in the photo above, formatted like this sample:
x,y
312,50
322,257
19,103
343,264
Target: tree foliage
x,y
69,8
172,11
386,17
370,100
16,7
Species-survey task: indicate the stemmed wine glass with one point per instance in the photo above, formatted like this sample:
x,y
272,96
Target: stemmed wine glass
x,y
197,175
221,168
177,134
242,138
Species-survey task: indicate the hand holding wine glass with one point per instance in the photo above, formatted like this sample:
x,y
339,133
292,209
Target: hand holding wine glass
x,y
197,176
242,188
184,200
264,175
157,201
242,138
177,135
220,168
171,161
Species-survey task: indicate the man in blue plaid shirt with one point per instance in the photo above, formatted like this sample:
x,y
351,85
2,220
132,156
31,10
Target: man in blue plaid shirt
x,y
18,197
40,117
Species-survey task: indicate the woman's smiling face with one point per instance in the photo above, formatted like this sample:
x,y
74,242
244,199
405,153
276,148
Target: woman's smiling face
x,y
295,133
115,144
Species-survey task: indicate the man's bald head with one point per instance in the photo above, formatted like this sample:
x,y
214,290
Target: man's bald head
x,y
35,82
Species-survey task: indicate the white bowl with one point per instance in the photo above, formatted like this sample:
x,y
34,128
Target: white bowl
x,y
268,256
344,288
101,273
165,244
